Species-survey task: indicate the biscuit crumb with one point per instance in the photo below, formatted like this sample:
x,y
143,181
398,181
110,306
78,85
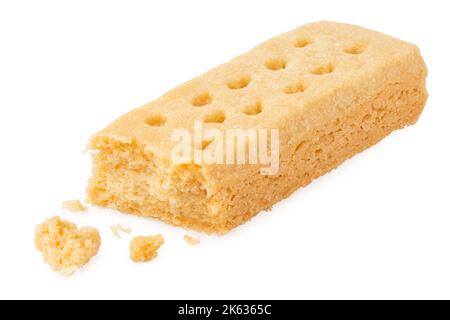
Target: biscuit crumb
x,y
144,249
64,246
73,205
117,229
192,241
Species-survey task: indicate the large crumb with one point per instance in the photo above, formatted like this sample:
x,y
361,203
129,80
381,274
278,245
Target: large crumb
x,y
144,249
73,205
192,241
119,228
64,246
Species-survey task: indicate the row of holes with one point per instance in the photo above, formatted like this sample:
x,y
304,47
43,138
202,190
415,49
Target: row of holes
x,y
256,108
275,65
205,98
213,117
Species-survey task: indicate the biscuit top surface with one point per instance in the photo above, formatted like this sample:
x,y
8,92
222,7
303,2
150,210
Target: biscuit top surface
x,y
259,89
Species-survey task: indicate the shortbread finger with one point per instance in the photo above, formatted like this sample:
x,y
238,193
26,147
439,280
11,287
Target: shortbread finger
x,y
332,90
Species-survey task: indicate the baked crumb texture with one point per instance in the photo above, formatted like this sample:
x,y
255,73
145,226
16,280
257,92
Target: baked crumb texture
x,y
64,246
73,205
117,229
331,89
192,241
143,249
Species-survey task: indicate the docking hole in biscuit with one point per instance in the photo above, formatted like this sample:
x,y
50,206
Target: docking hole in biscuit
x,y
214,117
253,109
240,83
276,64
202,100
155,120
355,49
328,68
295,88
301,43
204,144
300,145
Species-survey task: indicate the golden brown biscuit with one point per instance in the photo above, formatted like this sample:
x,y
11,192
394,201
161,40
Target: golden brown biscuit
x,y
332,90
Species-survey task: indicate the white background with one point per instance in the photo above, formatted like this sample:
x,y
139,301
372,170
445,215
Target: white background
x,y
377,227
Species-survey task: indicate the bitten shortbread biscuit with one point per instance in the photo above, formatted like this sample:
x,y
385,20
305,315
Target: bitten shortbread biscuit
x,y
331,89
65,247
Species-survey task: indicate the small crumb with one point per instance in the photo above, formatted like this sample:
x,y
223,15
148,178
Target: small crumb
x,y
117,229
192,241
144,249
73,205
64,246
